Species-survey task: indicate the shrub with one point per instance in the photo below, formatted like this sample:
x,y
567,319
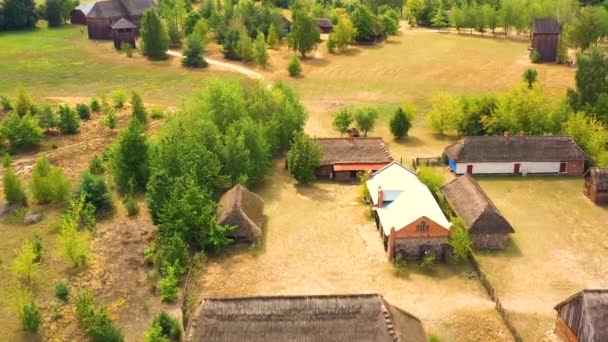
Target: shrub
x,y
119,97
84,111
156,113
5,103
429,260
331,44
84,304
74,244
459,240
13,189
154,334
400,123
193,53
110,120
24,104
535,56
62,291
363,190
101,328
21,132
36,243
169,285
96,166
95,105
400,264
31,317
49,183
294,68
130,158
95,191
68,122
47,119
170,327
138,108
24,266
127,49
430,177
131,205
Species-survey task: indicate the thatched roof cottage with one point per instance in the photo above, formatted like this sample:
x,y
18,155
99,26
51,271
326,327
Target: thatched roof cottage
x,y
486,225
596,185
244,209
325,25
583,317
348,318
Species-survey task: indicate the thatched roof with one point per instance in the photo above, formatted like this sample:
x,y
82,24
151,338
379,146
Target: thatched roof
x,y
586,313
336,318
526,149
244,209
353,151
476,209
123,24
546,26
324,23
599,177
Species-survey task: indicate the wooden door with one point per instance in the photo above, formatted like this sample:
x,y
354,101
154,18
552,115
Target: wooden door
x,y
470,169
562,167
516,168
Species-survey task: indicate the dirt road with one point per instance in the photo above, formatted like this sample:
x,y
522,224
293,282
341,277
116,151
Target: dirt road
x,y
232,67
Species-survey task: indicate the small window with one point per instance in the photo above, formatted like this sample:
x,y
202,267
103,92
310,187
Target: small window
x,y
422,227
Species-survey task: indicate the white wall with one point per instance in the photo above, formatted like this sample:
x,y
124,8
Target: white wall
x,y
526,167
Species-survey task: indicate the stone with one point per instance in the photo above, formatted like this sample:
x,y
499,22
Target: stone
x,y
7,209
32,218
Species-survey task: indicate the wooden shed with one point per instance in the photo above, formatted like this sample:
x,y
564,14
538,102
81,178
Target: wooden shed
x,y
325,25
583,317
78,16
242,208
124,31
105,14
486,225
596,185
545,38
336,318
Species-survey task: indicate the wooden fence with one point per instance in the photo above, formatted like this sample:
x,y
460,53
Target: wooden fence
x,y
504,315
428,161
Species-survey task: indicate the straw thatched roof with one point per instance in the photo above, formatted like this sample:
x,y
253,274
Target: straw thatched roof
x,y
599,178
244,209
353,151
586,314
470,202
333,318
522,149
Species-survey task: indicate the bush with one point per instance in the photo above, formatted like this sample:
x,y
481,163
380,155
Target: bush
x,y
119,97
62,291
138,110
400,124
131,205
460,241
13,189
24,265
193,53
111,120
5,103
84,111
69,122
400,264
97,324
331,44
96,166
429,260
95,105
127,49
130,159
535,56
303,158
31,317
49,183
430,177
154,334
74,244
294,68
95,191
84,304
169,285
24,104
170,327
21,132
36,243
47,119
156,113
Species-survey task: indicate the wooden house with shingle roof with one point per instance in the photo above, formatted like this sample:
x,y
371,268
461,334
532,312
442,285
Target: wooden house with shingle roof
x,y
583,317
336,318
344,158
516,155
596,185
105,14
124,31
486,225
242,208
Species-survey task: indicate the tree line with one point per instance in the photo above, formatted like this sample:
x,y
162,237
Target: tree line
x,y
24,14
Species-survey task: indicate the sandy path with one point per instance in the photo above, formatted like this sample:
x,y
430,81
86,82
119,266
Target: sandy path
x,y
232,67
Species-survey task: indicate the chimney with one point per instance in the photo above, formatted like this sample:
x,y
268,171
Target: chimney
x,y
506,135
380,197
522,136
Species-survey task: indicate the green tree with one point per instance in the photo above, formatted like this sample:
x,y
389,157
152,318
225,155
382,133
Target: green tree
x,y
430,177
273,37
175,36
138,110
490,17
13,189
590,135
31,317
47,118
294,68
155,39
244,47
530,77
54,13
521,110
24,266
19,14
591,78
303,158
119,97
49,183
83,110
400,124
21,132
74,244
110,120
459,240
588,28
439,19
342,121
457,18
261,54
24,104
343,34
365,119
68,121
192,18
304,34
193,53
202,30
365,24
445,109
130,158
229,45
95,191
389,20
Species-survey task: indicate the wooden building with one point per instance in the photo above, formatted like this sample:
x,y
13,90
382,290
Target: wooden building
x,y
124,31
486,225
105,14
583,317
596,185
545,38
242,208
325,25
408,218
345,158
78,16
516,155
336,318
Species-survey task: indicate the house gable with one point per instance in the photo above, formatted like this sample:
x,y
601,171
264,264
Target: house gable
x,y
413,230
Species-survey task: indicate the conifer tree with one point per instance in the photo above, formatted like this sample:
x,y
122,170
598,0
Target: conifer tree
x,y
273,37
154,35
193,52
261,55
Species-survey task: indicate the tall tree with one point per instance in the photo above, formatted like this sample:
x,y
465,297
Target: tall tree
x,y
304,35
303,158
261,54
138,110
273,37
365,118
530,76
343,34
54,14
342,121
193,54
591,78
154,35
130,158
400,123
19,14
588,28
365,23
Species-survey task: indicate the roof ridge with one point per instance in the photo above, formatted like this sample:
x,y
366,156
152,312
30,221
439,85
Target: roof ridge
x,y
345,295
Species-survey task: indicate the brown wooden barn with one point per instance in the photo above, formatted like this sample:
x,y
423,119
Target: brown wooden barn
x,y
106,14
545,38
486,225
344,158
124,31
596,185
242,208
583,317
78,16
325,25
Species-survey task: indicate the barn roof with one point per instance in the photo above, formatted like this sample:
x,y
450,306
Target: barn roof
x,y
84,8
526,149
366,317
586,314
106,9
324,23
123,24
476,209
599,177
241,207
546,26
137,7
353,151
